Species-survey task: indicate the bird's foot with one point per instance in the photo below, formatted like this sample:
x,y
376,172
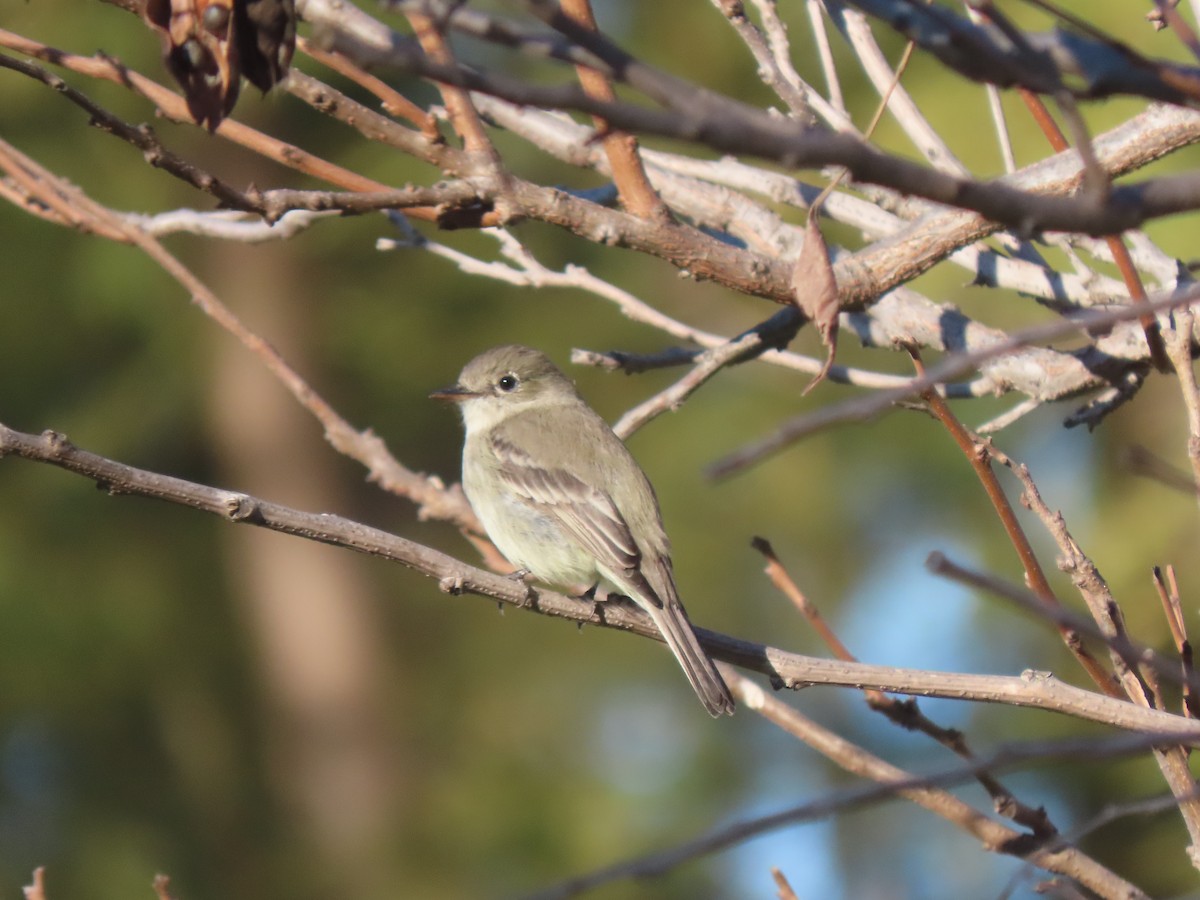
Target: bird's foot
x,y
522,577
597,603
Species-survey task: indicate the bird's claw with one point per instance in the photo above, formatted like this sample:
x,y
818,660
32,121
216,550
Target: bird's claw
x,y
522,577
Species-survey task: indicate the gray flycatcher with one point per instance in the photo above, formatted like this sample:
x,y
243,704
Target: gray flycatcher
x,y
562,498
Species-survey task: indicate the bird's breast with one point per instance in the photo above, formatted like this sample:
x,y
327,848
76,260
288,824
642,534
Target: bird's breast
x,y
529,538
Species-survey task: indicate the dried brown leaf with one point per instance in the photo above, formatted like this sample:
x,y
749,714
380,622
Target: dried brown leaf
x,y
815,290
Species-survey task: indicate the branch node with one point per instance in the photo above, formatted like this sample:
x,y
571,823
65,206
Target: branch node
x,y
451,584
57,443
239,507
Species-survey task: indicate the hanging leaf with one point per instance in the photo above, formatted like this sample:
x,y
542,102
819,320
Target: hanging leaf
x,y
815,290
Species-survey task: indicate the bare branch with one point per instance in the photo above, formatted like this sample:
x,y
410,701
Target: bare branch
x,y
1051,854
1036,690
951,367
727,126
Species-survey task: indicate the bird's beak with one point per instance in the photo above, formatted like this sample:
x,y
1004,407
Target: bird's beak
x,y
455,393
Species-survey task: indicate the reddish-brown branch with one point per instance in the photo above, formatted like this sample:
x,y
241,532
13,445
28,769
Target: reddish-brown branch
x,y
1168,594
463,115
905,713
637,194
36,890
852,758
162,887
782,887
174,107
1116,246
786,585
1172,761
394,103
978,455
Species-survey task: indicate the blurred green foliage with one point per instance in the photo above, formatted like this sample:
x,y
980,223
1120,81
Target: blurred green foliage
x,y
138,729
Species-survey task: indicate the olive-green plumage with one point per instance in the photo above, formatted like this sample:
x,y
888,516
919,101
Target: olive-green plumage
x,y
561,496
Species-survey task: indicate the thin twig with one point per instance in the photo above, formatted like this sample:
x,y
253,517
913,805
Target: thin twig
x,y
907,713
953,366
36,889
1142,462
174,107
1133,652
393,102
978,454
775,333
431,496
1179,344
1051,855
782,888
774,70
463,115
637,194
1120,253
162,887
1168,593
1171,760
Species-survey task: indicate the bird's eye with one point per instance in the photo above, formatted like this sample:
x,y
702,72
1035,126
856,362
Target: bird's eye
x,y
507,383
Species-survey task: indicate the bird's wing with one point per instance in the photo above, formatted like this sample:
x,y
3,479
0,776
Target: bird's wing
x,y
587,513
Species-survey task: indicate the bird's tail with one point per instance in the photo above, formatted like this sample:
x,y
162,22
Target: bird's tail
x,y
706,681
